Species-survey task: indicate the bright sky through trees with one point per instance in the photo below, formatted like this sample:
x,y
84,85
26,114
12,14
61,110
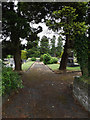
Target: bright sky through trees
x,y
46,32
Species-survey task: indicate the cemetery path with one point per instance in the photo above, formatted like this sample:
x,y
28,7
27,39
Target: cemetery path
x,y
45,95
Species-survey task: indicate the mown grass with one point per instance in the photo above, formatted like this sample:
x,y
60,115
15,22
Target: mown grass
x,y
26,65
56,66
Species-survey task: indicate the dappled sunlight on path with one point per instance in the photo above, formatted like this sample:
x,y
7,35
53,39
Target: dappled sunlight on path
x,y
45,95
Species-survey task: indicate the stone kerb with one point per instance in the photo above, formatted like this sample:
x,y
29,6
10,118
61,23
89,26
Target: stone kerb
x,y
81,92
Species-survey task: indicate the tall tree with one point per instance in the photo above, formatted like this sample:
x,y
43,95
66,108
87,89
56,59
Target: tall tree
x,y
88,21
33,48
81,48
53,48
44,45
16,25
59,47
63,18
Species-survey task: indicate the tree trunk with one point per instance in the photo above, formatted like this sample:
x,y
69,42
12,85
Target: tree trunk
x,y
64,59
17,59
15,42
89,54
89,50
84,70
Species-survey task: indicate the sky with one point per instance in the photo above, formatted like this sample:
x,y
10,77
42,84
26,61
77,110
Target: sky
x,y
46,32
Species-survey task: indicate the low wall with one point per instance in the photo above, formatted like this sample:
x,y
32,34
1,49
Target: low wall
x,y
81,92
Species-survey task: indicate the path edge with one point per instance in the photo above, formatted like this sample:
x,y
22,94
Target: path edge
x,y
30,67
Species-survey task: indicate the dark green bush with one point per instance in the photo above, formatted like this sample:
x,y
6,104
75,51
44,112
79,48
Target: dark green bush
x,y
10,81
53,61
33,59
41,58
50,61
46,58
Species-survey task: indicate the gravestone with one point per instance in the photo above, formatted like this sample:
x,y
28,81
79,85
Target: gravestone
x,y
70,62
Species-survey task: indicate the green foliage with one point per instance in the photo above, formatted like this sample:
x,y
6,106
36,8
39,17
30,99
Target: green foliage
x,y
16,25
41,57
27,65
52,60
30,53
55,60
56,67
59,47
66,19
23,54
81,48
46,58
79,28
67,15
10,81
85,79
9,56
33,59
44,45
33,48
34,52
53,48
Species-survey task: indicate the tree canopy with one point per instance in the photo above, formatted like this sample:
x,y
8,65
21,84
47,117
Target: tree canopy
x,y
66,22
44,45
16,24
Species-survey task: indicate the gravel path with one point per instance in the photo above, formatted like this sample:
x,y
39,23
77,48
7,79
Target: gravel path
x,y
45,95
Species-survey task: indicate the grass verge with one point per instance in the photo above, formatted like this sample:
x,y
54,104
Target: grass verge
x,y
26,65
56,66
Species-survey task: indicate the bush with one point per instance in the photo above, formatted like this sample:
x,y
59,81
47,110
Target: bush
x,y
41,58
23,54
46,58
33,59
10,81
9,56
53,61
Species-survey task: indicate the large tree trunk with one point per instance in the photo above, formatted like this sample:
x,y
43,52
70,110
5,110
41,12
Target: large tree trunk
x,y
17,59
64,59
89,54
84,70
89,41
15,42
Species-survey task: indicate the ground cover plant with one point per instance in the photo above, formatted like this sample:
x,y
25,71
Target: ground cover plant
x,y
10,81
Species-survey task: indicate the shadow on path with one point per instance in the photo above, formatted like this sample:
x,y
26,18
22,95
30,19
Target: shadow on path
x,y
45,95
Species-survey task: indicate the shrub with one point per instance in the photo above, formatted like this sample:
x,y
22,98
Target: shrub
x,y
53,61
9,56
33,59
50,61
41,58
10,81
23,54
46,58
